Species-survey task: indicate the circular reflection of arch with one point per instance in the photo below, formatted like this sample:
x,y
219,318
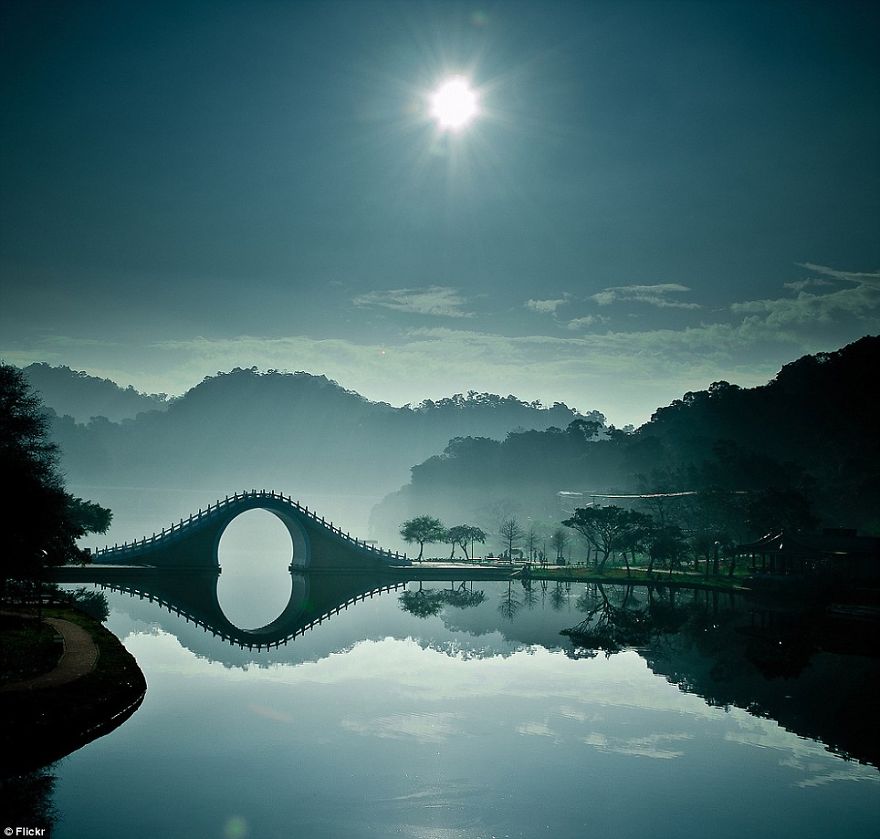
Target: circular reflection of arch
x,y
255,552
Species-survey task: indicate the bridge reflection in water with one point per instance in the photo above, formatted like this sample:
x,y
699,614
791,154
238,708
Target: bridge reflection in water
x,y
179,567
192,595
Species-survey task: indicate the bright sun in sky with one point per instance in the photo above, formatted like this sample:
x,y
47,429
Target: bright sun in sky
x,y
454,104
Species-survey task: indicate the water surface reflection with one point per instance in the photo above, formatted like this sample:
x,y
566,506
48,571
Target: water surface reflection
x,y
458,709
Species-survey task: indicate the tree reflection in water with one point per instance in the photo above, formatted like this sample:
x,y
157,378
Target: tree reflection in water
x,y
509,604
530,595
607,627
424,603
26,799
806,665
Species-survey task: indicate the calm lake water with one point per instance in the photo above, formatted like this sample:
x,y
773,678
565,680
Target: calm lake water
x,y
459,710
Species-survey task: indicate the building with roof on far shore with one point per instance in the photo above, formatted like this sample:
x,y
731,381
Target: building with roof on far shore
x,y
835,553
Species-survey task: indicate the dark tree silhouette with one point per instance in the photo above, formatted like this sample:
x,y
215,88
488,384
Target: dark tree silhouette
x,y
532,539
39,520
779,509
559,542
511,532
666,544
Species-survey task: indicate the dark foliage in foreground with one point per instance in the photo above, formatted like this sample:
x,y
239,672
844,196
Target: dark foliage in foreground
x,y
39,520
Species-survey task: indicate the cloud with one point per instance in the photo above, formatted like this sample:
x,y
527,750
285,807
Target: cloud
x,y
808,757
868,278
651,746
439,301
589,320
535,729
624,374
806,308
800,285
653,295
546,307
419,727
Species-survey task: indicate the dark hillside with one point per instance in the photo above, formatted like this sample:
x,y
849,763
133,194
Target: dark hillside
x,y
816,422
808,436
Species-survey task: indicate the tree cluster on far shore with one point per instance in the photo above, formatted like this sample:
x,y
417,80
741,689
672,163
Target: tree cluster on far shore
x,y
427,529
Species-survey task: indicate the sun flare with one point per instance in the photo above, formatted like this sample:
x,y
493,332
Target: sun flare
x,y
454,104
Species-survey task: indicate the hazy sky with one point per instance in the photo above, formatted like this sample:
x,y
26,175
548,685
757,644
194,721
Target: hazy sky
x,y
653,196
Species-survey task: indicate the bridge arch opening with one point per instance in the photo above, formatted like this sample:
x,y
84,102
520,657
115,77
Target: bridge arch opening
x,y
255,552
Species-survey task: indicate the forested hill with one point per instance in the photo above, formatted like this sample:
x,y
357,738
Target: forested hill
x,y
82,397
819,412
295,431
810,436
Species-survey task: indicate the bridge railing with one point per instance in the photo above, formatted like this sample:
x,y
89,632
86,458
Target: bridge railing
x,y
212,510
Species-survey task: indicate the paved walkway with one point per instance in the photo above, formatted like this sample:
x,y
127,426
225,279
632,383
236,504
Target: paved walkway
x,y
79,658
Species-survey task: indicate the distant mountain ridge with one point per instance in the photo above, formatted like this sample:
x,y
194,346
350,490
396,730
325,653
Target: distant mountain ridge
x,y
293,431
82,396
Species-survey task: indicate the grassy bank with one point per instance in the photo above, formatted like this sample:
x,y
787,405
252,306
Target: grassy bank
x,y
638,576
41,725
28,647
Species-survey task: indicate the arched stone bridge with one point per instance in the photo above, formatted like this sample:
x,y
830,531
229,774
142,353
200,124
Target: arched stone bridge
x,y
318,545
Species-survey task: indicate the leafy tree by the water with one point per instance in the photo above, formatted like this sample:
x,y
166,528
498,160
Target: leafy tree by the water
x,y
423,530
40,521
607,529
667,545
450,539
464,535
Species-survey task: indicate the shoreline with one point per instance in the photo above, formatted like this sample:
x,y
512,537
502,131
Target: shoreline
x,y
46,721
